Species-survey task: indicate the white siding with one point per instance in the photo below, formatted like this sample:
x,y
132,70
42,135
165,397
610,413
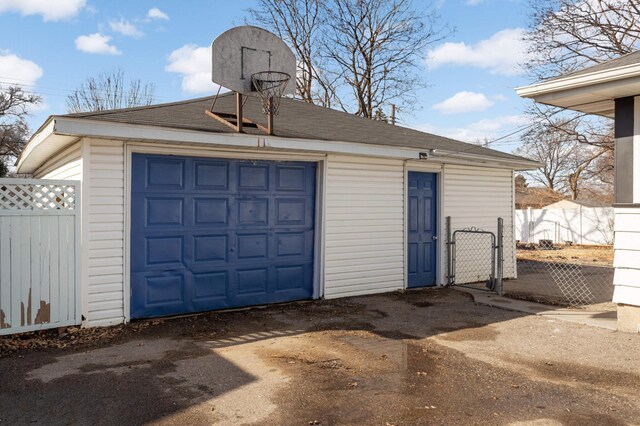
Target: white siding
x,y
67,165
476,197
627,256
104,258
364,219
364,235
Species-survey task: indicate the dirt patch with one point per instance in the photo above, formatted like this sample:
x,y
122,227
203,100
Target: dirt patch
x,y
579,254
69,337
593,376
478,334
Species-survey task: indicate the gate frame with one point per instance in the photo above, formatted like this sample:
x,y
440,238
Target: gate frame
x,y
494,283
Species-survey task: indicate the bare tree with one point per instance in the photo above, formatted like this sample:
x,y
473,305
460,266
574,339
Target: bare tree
x,y
568,35
299,23
110,91
567,165
361,55
376,48
14,110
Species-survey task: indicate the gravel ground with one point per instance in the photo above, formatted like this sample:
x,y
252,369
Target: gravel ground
x,y
419,357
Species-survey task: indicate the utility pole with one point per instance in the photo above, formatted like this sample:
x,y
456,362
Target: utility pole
x,y
393,114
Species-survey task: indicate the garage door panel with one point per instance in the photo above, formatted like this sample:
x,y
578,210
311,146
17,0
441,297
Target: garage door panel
x,y
211,211
211,175
164,211
217,233
252,212
162,293
252,247
291,178
210,286
164,250
290,244
252,177
165,174
211,248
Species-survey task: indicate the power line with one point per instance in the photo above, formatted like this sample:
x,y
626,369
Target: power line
x,y
46,90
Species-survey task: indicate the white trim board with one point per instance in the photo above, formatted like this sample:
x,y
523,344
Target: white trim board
x,y
66,129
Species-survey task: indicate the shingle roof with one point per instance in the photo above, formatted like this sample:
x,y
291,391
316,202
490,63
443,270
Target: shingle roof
x,y
624,60
296,119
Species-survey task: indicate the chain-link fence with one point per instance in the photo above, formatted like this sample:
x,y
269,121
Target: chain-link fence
x,y
566,275
578,276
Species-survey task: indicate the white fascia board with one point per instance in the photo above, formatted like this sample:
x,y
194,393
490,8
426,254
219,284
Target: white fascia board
x,y
36,140
475,159
124,131
342,148
99,129
569,82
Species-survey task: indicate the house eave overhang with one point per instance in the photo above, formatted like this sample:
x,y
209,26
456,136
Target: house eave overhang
x,y
58,132
591,93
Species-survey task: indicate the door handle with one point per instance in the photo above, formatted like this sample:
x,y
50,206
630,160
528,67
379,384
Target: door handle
x,y
435,237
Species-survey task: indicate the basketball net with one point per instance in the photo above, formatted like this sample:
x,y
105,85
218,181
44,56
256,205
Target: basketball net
x,y
270,85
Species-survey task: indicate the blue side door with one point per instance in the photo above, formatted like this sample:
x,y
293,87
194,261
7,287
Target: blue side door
x,y
422,229
215,233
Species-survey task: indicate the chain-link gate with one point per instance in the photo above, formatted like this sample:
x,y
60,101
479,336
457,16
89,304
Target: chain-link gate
x,y
475,256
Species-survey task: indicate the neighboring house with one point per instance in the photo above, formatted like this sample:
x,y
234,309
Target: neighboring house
x,y
610,89
576,204
180,214
535,197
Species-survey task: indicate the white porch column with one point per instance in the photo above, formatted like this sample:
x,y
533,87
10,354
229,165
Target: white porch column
x,y
627,214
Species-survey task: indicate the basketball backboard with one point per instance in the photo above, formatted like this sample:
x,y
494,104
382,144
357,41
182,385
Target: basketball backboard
x,y
242,51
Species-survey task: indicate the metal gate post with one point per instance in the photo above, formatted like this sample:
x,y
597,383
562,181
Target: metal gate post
x,y
449,251
500,256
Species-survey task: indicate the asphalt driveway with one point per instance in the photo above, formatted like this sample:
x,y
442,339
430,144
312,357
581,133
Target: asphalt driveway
x,y
420,357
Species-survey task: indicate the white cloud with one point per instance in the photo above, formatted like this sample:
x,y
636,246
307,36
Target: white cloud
x,y
96,43
486,129
463,102
474,2
51,10
15,69
193,63
155,13
502,53
126,28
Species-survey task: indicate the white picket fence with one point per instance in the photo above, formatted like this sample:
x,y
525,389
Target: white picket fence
x,y
583,225
39,248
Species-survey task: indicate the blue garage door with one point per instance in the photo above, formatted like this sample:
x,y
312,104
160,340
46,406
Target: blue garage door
x,y
213,233
422,226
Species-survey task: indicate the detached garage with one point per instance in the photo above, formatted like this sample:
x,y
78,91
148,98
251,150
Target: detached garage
x,y
180,214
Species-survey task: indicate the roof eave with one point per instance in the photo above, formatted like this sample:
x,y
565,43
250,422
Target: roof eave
x,y
592,93
73,128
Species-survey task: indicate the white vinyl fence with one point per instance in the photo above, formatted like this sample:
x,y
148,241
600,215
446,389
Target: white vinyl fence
x,y
39,234
583,225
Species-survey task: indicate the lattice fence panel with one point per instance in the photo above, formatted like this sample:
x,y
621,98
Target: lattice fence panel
x,y
37,196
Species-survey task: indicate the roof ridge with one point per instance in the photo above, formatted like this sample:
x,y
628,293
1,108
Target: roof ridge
x,y
140,108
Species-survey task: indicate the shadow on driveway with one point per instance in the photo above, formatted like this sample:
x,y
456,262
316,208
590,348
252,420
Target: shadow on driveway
x,y
425,356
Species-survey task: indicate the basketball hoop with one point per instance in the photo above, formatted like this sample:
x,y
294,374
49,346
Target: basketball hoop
x,y
270,85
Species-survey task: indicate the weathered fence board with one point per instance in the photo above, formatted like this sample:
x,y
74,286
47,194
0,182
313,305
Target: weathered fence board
x,y
39,252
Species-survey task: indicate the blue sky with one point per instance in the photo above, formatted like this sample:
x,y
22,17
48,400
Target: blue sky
x,y
51,46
